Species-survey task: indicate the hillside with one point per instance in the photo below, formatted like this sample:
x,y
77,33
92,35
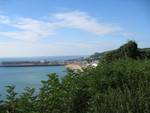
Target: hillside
x,y
97,55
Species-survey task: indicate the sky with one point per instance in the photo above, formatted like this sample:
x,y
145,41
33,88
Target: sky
x,y
71,27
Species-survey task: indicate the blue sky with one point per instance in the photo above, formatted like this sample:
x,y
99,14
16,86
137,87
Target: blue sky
x,y
71,27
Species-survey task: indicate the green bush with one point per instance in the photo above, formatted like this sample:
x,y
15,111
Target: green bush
x,y
127,50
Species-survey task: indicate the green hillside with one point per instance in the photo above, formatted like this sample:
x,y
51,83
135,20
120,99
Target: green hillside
x,y
128,50
97,55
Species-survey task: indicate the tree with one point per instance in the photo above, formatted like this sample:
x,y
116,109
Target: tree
x,y
129,50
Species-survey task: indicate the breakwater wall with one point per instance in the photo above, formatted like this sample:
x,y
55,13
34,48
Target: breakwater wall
x,y
30,63
79,61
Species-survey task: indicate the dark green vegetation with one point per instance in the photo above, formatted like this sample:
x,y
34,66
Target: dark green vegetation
x,y
130,50
119,84
97,55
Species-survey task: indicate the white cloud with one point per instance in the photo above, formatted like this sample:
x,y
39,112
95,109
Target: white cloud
x,y
22,35
36,26
81,20
127,34
28,29
4,19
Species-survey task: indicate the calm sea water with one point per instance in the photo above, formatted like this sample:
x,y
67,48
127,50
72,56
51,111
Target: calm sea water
x,y
28,76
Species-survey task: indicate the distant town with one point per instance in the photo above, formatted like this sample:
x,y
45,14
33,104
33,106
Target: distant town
x,y
82,62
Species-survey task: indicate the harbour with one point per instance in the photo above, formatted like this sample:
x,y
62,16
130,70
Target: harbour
x,y
79,61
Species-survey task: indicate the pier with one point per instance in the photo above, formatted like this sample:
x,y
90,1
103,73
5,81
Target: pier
x,y
30,63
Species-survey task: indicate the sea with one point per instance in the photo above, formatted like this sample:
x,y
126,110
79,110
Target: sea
x,y
23,77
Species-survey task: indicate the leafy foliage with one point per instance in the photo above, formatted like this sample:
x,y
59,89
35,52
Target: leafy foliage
x,y
120,86
127,50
